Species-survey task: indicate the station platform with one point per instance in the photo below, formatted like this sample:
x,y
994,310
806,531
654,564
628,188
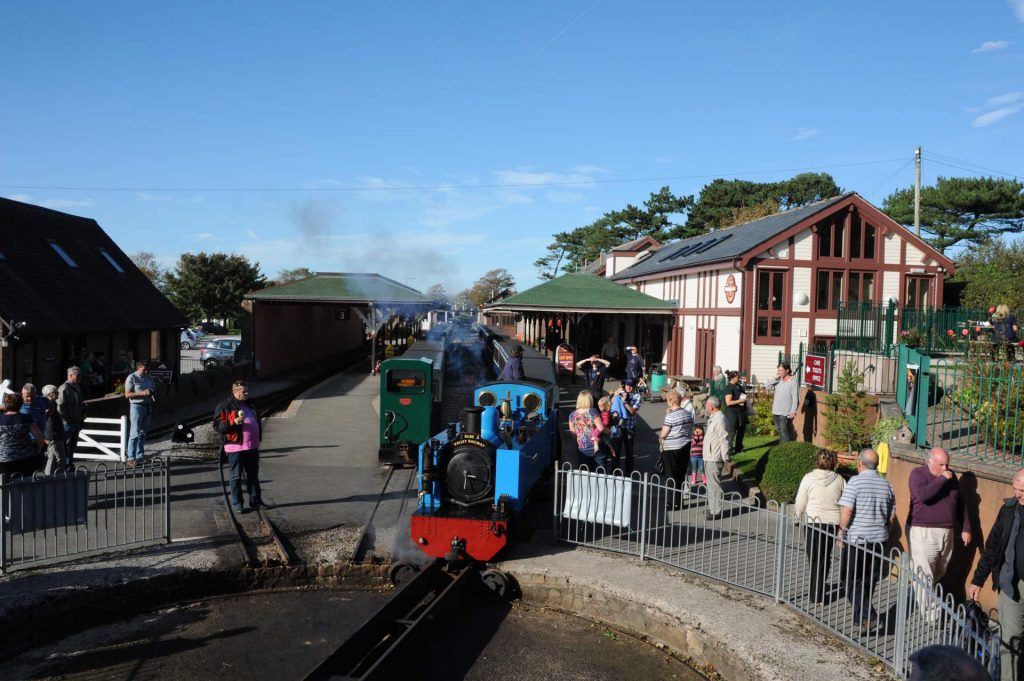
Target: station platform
x,y
321,478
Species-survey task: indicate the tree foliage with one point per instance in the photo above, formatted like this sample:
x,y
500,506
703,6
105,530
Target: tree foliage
x,y
147,264
572,250
437,294
488,286
722,203
287,276
962,210
992,273
211,286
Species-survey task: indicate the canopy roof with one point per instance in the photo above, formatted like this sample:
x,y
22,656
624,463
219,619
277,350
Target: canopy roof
x,y
339,287
583,293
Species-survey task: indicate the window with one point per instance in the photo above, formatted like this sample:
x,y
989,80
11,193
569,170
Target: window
x,y
862,238
406,381
110,259
822,345
63,254
770,313
861,288
829,290
917,291
830,237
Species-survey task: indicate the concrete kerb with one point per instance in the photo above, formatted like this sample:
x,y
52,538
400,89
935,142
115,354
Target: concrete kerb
x,y
740,635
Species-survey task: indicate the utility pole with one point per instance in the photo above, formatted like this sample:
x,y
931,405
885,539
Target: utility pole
x,y
917,192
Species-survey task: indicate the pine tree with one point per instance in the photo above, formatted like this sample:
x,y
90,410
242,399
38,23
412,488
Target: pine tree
x,y
847,425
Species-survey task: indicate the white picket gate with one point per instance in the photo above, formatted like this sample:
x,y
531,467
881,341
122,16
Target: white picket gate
x,y
103,439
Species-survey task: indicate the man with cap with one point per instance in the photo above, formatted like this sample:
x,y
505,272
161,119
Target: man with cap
x,y
139,388
625,404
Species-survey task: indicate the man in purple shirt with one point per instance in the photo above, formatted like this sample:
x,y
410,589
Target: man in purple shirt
x,y
935,511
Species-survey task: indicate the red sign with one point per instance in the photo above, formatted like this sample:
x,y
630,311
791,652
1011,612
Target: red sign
x,y
565,357
814,370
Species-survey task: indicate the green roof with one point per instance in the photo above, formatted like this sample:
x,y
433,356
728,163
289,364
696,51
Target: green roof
x,y
584,293
343,288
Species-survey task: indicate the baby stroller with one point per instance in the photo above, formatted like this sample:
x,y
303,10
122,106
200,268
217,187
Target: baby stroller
x,y
643,389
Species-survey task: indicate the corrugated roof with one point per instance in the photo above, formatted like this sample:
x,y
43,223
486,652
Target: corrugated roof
x,y
723,244
343,287
40,287
584,292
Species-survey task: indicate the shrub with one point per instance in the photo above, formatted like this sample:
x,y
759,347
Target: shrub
x,y
787,464
846,425
886,428
762,422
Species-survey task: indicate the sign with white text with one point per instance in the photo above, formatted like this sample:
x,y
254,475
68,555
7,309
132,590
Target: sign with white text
x,y
814,370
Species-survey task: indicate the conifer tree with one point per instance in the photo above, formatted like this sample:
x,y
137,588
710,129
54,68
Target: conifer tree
x,y
847,425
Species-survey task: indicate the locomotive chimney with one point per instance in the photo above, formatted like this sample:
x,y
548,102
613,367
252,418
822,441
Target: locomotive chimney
x,y
471,419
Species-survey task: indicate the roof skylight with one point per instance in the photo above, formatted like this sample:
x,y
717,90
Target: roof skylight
x,y
63,254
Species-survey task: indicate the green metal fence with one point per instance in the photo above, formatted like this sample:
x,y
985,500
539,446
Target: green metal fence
x,y
879,327
969,408
796,362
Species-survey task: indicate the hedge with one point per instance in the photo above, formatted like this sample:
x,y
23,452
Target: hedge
x,y
787,464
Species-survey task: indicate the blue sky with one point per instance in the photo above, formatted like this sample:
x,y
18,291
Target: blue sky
x,y
432,142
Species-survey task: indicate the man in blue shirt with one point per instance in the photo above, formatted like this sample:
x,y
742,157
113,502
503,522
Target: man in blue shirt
x,y
139,388
626,404
34,405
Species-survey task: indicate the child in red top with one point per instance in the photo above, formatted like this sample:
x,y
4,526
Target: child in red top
x,y
604,405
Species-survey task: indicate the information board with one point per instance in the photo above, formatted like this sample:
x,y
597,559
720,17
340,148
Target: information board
x,y
814,370
565,358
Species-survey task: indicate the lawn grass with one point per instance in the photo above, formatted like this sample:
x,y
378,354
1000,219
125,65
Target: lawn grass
x,y
754,448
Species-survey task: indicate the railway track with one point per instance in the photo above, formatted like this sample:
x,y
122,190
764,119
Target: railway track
x,y
381,536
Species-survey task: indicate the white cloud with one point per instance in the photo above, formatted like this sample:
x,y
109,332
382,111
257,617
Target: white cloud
x,y
991,46
805,134
24,198
68,203
994,116
1007,104
1008,98
587,169
1018,8
205,236
527,177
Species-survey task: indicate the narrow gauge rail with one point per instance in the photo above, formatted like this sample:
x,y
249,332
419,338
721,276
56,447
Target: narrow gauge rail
x,y
433,596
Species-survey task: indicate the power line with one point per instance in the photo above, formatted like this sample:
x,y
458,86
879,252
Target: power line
x,y
878,185
950,161
444,187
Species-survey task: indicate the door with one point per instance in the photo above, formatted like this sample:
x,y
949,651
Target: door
x,y
705,353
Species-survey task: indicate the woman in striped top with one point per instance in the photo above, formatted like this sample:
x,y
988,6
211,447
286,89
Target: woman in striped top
x,y
675,437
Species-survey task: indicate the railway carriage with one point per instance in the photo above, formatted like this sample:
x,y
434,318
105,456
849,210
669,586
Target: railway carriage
x,y
411,390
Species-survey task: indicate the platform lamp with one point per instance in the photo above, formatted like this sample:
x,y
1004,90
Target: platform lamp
x,y
7,330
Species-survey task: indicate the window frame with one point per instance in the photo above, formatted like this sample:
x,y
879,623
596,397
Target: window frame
x,y
918,279
68,260
832,303
781,314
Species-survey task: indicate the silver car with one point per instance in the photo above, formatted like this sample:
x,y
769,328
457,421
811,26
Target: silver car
x,y
189,339
218,351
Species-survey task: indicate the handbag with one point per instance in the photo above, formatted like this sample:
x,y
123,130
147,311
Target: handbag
x,y
659,466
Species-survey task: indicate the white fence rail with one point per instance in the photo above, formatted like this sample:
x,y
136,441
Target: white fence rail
x,y
103,439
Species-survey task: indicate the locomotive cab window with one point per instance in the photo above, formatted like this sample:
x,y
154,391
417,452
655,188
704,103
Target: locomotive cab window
x,y
407,381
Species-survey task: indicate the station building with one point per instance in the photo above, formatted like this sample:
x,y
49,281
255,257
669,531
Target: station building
x,y
323,316
67,287
743,294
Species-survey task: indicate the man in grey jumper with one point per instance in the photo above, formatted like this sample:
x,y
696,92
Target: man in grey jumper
x,y
785,402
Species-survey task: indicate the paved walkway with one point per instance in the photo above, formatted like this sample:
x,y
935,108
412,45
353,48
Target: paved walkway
x,y
320,473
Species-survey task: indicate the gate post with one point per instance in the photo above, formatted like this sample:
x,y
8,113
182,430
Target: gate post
x,y
780,552
3,524
890,326
167,499
643,517
902,598
124,439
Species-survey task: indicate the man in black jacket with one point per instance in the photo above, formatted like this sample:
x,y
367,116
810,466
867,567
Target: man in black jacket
x,y
236,420
1003,558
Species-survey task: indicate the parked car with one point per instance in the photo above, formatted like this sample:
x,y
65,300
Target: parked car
x,y
188,339
212,328
218,350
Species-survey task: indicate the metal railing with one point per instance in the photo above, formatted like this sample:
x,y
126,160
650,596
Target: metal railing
x,y
49,518
862,593
872,327
878,369
187,365
796,361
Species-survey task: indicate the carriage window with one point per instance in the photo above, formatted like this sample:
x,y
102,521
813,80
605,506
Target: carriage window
x,y
406,381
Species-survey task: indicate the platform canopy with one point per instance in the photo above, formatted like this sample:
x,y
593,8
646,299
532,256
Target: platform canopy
x,y
348,288
583,293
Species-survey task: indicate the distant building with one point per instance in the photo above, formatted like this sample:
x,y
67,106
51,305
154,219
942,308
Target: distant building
x,y
65,287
